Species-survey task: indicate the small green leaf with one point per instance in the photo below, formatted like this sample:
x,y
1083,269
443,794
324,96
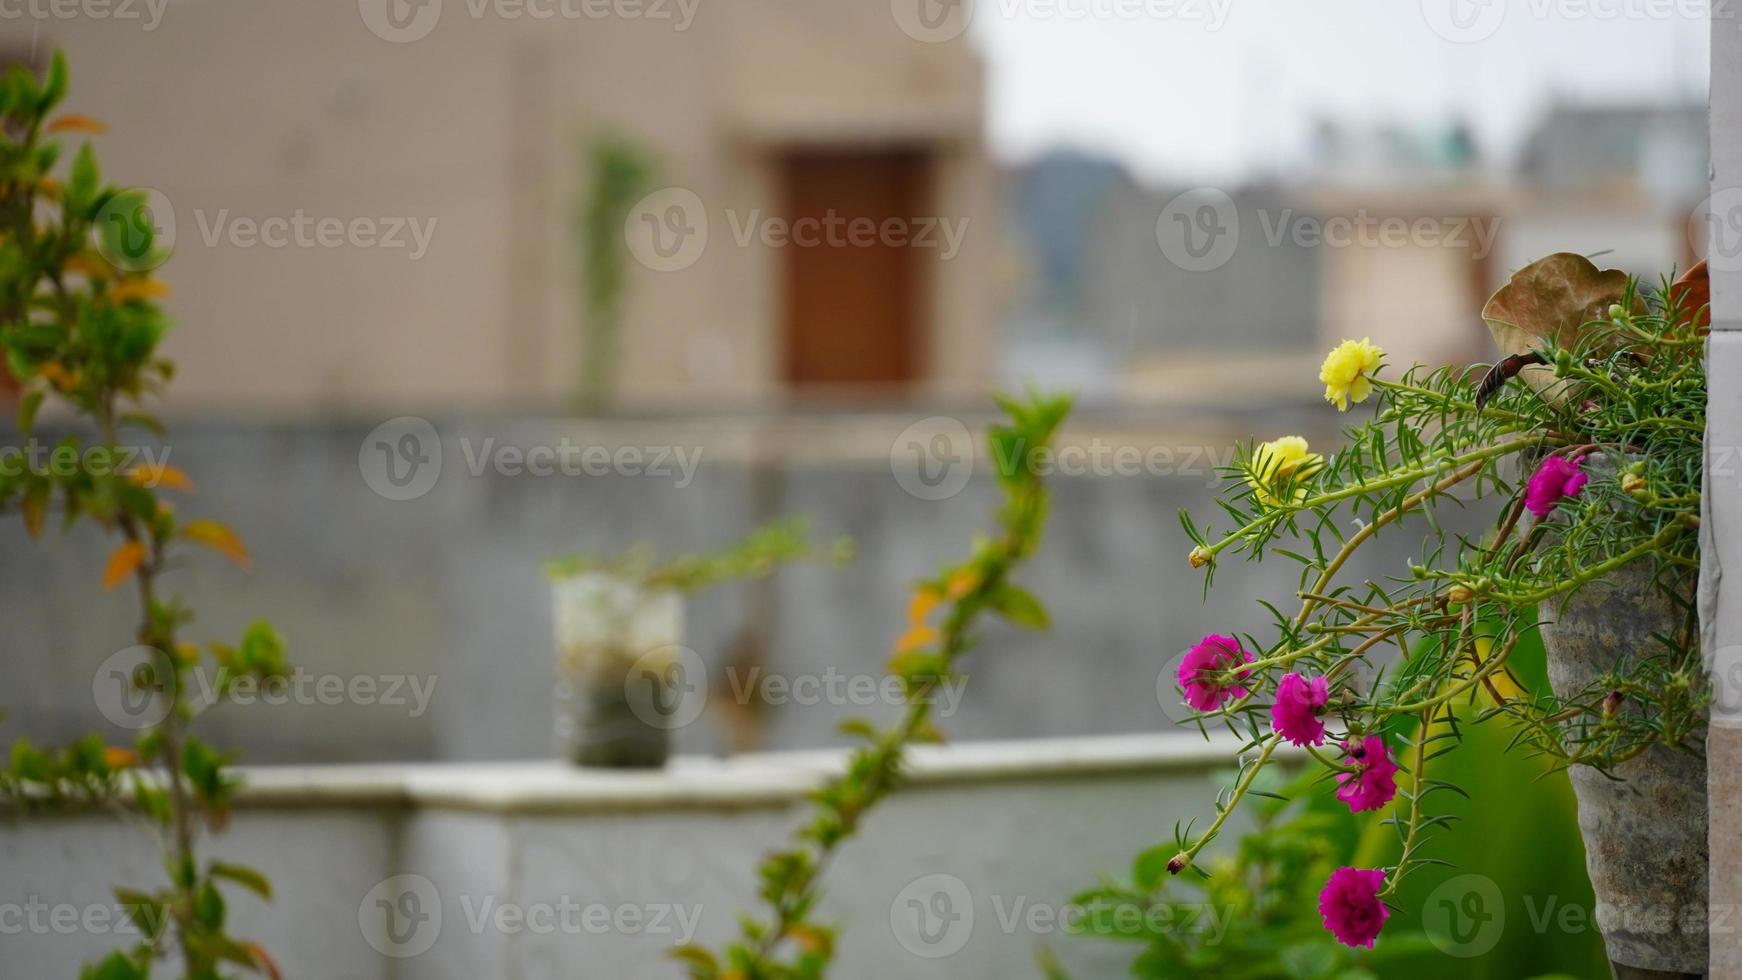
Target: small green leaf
x,y
1020,607
248,878
27,409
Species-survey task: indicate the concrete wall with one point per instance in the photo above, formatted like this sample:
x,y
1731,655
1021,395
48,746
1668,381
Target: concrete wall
x,y
447,588
1005,829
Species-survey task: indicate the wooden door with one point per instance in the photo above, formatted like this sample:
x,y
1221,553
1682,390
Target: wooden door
x,y
853,304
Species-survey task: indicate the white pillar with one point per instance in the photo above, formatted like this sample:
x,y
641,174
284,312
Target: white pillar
x,y
1721,598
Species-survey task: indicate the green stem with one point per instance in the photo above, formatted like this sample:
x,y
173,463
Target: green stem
x,y
1355,490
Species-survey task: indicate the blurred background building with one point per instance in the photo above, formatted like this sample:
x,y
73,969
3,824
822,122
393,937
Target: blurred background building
x,y
386,209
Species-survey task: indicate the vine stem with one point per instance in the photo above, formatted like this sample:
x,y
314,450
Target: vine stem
x,y
1593,572
1355,490
1418,776
181,816
1183,859
892,750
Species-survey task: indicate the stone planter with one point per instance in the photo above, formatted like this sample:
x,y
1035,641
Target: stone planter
x,y
618,653
1644,831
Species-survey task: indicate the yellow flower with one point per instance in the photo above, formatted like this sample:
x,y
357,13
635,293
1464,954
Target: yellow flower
x,y
1275,464
1346,370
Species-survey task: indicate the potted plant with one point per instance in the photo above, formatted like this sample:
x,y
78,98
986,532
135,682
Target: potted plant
x,y
1585,441
624,679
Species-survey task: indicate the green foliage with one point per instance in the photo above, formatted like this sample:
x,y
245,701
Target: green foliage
x,y
621,172
1255,917
789,944
1621,396
758,555
79,322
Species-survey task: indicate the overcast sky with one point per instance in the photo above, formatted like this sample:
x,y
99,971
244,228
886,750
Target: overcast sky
x,y
1221,88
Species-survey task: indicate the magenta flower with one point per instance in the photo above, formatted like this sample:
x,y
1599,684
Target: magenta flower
x,y
1374,782
1299,703
1201,672
1351,907
1556,479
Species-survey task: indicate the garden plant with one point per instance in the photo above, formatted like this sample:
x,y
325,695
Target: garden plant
x,y
788,941
80,323
1585,444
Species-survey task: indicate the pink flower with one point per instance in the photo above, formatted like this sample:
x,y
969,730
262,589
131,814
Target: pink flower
x,y
1299,702
1200,673
1374,782
1351,907
1557,478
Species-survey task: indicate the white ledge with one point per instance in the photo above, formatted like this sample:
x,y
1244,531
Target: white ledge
x,y
773,779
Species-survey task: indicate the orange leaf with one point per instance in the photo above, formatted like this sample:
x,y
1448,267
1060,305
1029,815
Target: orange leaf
x,y
81,264
35,508
219,538
963,582
920,606
160,475
58,376
142,288
124,562
1693,293
263,961
916,637
75,123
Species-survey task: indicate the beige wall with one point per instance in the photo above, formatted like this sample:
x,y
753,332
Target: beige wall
x,y
250,109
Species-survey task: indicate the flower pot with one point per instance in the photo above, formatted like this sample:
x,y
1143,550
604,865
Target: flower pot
x,y
617,644
1645,830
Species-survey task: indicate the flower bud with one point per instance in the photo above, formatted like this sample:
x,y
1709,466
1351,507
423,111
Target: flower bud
x,y
1563,361
1177,863
1617,311
1632,483
1460,594
1200,556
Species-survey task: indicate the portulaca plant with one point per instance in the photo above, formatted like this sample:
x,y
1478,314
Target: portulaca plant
x,y
1584,443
